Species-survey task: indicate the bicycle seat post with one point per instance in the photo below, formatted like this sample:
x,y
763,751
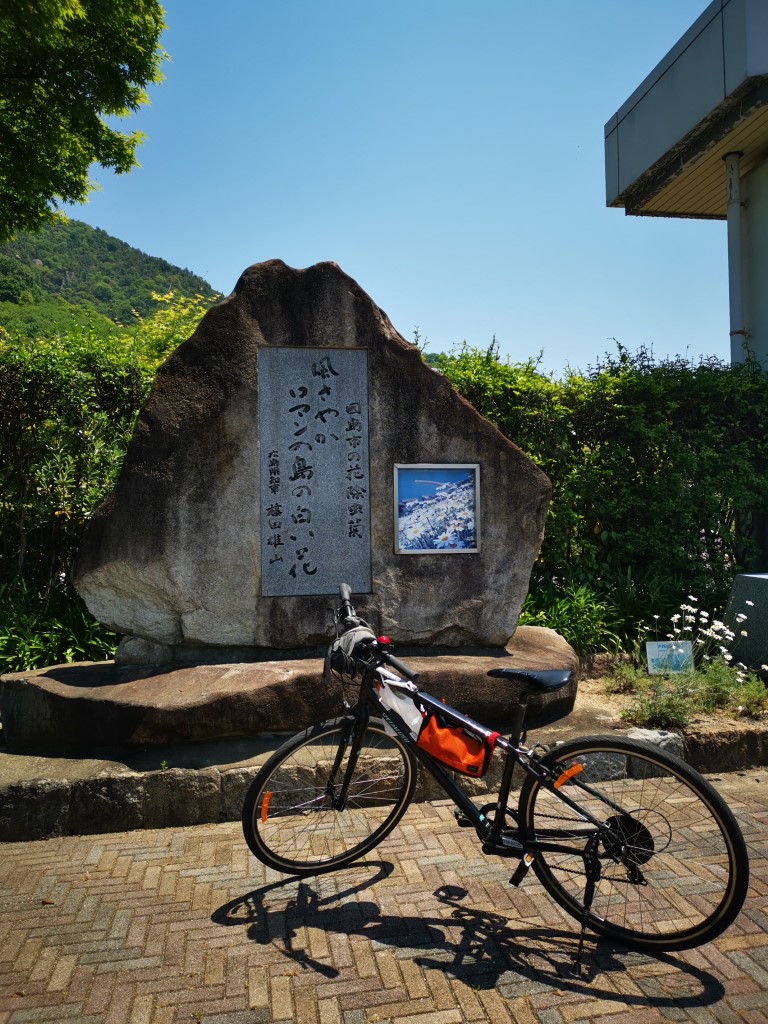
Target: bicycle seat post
x,y
518,719
494,842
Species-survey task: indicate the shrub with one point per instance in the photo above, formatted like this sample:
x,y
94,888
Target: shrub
x,y
650,464
67,409
751,698
576,613
53,629
660,704
625,678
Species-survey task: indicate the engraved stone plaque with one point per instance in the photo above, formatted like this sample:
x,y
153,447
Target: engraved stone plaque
x,y
315,487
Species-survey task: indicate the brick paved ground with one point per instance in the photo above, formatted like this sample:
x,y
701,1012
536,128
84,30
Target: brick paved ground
x,y
175,925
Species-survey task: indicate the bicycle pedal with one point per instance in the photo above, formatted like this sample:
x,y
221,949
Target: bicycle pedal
x,y
522,869
504,846
462,820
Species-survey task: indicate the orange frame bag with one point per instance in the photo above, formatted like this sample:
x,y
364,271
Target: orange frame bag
x,y
457,749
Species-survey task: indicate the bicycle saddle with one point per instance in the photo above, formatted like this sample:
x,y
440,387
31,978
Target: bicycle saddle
x,y
547,681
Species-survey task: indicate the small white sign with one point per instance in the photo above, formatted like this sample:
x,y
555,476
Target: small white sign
x,y
668,656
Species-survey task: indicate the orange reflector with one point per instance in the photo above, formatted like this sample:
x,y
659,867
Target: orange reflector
x,y
265,806
567,774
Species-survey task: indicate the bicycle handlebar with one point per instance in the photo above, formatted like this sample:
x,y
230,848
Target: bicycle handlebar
x,y
346,611
397,665
349,618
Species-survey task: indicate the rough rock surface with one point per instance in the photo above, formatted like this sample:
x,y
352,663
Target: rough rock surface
x,y
670,742
174,554
102,704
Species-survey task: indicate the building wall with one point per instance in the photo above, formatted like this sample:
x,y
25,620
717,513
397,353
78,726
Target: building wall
x,y
754,220
670,102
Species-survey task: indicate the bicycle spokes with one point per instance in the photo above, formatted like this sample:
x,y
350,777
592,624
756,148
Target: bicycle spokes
x,y
636,844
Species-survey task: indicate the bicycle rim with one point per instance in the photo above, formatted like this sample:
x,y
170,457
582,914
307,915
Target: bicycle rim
x,y
673,869
289,820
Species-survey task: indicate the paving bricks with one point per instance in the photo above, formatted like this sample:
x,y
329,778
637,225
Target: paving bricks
x,y
182,925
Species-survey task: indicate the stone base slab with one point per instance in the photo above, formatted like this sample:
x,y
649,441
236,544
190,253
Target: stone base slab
x,y
103,704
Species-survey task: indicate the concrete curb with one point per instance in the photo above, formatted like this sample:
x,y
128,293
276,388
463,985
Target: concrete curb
x,y
43,796
42,808
123,801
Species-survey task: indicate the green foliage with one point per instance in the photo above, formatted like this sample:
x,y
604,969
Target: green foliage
x,y
87,268
714,685
661,704
50,629
68,68
155,337
671,702
67,409
50,318
632,593
710,685
18,283
751,698
575,612
649,463
625,678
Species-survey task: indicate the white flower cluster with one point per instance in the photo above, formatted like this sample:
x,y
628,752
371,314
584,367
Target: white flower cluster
x,y
710,638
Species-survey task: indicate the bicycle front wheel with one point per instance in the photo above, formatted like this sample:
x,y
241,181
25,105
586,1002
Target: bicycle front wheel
x,y
670,871
291,818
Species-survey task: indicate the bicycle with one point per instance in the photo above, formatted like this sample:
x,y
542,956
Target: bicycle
x,y
628,839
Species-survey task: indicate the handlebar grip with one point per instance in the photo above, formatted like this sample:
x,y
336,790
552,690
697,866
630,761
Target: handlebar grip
x,y
347,610
398,666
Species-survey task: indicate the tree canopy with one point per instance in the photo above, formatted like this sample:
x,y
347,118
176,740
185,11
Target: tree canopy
x,y
65,67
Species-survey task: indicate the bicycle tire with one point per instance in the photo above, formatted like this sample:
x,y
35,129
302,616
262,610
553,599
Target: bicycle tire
x,y
679,874
289,822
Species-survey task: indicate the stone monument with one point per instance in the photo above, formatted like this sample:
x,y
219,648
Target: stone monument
x,y
296,441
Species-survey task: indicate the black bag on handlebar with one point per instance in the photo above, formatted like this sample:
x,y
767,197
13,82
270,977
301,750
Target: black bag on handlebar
x,y
340,656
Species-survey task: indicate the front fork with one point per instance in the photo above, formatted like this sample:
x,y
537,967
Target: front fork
x,y
355,730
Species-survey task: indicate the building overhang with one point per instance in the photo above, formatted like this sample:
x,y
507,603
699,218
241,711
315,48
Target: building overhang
x,y
664,148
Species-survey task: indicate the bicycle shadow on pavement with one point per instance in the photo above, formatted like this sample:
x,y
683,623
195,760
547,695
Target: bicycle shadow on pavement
x,y
481,947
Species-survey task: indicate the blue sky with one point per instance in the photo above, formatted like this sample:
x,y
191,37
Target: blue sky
x,y
418,483
447,155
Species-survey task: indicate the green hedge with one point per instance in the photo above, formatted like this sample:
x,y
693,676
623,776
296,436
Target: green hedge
x,y
67,409
651,464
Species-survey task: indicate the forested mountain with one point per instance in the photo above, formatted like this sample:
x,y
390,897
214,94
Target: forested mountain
x,y
46,273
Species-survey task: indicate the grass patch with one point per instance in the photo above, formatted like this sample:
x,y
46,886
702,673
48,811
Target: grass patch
x,y
672,701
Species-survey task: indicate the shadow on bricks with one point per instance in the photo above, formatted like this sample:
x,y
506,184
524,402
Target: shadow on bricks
x,y
482,948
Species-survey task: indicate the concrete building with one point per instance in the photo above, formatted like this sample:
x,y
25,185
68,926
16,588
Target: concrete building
x,y
692,141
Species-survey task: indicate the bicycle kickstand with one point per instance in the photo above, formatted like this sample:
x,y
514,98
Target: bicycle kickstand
x,y
592,873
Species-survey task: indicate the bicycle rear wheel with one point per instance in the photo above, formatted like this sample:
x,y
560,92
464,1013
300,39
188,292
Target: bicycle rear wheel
x,y
672,872
289,819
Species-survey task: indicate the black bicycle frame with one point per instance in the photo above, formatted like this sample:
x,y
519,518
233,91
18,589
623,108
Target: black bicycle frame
x,y
490,830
